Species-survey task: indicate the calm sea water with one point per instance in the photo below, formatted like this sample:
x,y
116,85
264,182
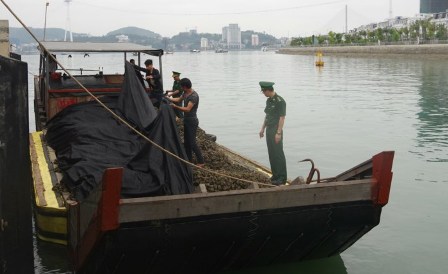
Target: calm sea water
x,y
339,116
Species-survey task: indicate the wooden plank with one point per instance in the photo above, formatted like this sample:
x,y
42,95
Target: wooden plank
x,y
180,206
353,172
56,177
38,183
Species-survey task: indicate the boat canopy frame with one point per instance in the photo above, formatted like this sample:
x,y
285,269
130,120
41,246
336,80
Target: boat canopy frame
x,y
55,47
99,47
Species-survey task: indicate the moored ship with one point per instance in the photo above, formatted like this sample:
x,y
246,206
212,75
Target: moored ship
x,y
194,230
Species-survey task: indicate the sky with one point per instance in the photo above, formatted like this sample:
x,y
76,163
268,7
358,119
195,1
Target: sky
x,y
281,18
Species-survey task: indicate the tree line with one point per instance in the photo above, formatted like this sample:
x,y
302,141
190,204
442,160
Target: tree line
x,y
423,31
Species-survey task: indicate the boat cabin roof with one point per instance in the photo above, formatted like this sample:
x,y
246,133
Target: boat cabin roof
x,y
99,47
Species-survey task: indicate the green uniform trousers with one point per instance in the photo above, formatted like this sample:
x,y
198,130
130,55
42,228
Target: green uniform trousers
x,y
276,155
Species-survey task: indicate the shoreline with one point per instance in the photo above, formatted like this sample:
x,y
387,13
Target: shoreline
x,y
431,51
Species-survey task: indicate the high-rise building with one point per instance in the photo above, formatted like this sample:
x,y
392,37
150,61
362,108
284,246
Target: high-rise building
x,y
232,36
225,30
433,6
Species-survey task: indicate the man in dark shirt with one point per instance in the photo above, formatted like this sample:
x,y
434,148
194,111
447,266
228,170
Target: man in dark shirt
x,y
154,82
191,122
273,123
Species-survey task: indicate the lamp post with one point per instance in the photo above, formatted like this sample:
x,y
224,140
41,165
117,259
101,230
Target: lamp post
x,y
45,22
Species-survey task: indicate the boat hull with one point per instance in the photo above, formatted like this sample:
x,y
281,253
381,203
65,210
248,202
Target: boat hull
x,y
208,244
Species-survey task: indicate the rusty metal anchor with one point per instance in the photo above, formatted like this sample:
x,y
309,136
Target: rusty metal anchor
x,y
312,171
300,181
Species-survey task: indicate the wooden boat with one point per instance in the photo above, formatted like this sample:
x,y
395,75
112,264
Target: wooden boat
x,y
202,232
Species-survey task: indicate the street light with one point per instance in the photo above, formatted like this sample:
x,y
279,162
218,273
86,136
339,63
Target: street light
x,y
45,24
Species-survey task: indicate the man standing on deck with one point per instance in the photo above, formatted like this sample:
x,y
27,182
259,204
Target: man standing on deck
x,y
273,123
154,82
191,122
176,92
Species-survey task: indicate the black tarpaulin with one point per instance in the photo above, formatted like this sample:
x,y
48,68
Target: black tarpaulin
x,y
87,139
133,102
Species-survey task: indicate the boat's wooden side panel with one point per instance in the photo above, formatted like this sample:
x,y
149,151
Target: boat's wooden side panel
x,y
199,204
210,243
50,212
93,217
247,227
234,156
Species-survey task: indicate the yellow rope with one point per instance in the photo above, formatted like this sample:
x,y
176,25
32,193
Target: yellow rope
x,y
118,117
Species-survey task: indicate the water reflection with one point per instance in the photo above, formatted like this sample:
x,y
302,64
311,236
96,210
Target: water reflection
x,y
332,265
432,129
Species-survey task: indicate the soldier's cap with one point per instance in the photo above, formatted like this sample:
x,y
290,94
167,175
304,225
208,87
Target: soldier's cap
x,y
175,73
266,85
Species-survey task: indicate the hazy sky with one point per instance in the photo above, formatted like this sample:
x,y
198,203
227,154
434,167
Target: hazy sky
x,y
281,18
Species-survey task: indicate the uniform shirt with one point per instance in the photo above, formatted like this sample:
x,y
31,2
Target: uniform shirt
x,y
194,98
275,108
176,86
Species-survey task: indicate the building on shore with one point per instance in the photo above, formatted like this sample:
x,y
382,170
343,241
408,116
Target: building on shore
x,y
204,43
433,6
255,40
397,22
231,35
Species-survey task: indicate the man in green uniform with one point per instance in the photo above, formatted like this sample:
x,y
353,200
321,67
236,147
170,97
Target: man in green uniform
x,y
176,92
273,123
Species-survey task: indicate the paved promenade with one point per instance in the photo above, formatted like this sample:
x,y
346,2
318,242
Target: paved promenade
x,y
435,50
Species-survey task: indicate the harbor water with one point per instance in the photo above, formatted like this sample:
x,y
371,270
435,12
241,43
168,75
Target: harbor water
x,y
338,115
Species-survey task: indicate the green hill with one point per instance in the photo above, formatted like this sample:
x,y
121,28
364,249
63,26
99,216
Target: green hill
x,y
134,31
21,36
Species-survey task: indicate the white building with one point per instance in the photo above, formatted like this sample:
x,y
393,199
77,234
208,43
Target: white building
x,y
122,38
440,18
255,40
204,43
232,36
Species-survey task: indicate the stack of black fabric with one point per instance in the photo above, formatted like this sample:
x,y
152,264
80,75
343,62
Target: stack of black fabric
x,y
88,139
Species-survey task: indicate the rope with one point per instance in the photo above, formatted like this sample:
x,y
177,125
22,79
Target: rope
x,y
121,119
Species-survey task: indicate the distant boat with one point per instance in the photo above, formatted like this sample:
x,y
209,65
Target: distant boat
x,y
169,52
195,50
221,51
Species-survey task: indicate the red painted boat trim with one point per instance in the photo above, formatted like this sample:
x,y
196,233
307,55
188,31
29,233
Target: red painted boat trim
x,y
78,90
106,218
110,199
382,173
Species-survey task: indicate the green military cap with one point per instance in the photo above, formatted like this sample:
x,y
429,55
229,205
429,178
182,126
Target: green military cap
x,y
175,73
266,85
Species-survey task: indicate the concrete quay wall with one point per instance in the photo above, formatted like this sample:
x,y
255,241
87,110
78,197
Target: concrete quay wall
x,y
440,50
